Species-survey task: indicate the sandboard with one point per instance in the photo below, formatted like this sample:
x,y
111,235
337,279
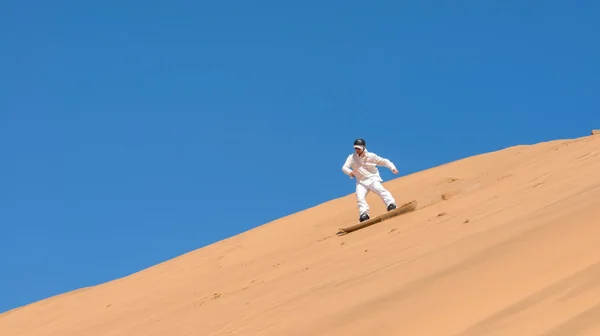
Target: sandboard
x,y
408,207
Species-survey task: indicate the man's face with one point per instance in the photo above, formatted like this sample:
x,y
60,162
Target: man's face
x,y
358,151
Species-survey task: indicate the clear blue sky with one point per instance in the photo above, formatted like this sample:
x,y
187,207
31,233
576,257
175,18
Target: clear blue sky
x,y
135,131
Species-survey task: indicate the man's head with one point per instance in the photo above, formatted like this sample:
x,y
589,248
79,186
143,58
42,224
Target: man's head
x,y
359,146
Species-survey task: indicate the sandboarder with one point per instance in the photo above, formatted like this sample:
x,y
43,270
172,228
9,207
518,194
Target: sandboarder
x,y
362,165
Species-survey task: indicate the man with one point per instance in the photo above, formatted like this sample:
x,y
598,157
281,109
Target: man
x,y
363,165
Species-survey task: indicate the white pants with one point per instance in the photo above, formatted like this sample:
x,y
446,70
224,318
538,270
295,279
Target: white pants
x,y
363,189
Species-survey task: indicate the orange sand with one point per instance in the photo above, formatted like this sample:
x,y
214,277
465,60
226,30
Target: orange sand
x,y
505,243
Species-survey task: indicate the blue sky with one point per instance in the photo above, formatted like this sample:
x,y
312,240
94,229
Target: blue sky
x,y
135,131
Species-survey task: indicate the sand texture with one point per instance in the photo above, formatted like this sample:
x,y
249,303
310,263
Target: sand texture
x,y
505,243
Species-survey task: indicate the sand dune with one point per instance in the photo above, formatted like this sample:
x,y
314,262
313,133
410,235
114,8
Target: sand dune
x,y
505,243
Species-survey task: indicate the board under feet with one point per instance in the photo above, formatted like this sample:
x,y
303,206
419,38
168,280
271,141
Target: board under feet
x,y
408,207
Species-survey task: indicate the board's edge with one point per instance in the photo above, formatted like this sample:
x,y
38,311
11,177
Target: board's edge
x,y
404,208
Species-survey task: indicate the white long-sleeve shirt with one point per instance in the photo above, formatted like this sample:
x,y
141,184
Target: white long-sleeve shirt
x,y
365,167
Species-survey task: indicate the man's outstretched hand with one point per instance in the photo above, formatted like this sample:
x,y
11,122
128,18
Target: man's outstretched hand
x,y
395,171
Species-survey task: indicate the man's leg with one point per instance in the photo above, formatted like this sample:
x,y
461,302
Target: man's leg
x,y
361,195
384,194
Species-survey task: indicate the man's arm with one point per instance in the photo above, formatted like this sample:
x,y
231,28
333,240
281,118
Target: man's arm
x,y
347,167
381,161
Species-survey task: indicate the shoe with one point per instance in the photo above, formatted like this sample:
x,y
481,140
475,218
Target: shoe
x,y
391,207
364,217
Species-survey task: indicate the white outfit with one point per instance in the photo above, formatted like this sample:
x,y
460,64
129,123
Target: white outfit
x,y
368,178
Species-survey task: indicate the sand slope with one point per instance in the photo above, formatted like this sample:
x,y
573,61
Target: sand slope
x,y
506,243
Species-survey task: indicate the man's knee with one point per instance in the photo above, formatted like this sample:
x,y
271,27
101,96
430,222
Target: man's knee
x,y
361,198
379,189
361,192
